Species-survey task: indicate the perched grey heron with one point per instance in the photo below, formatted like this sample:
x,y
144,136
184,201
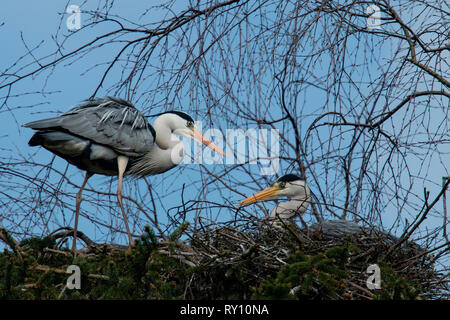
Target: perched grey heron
x,y
290,186
109,136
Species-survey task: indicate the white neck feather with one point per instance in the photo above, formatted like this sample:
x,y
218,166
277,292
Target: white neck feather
x,y
297,205
158,160
166,153
164,126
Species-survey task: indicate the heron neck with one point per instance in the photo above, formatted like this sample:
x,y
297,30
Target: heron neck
x,y
157,160
163,128
285,210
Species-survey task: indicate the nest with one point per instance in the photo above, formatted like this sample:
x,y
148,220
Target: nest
x,y
264,250
327,260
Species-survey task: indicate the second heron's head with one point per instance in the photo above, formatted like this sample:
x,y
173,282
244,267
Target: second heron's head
x,y
289,185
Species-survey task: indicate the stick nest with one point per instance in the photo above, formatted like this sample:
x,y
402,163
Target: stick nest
x,y
327,260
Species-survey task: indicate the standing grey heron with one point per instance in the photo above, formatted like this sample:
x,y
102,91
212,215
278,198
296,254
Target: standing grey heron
x,y
290,186
109,136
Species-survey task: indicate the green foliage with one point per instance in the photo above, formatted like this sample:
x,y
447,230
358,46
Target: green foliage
x,y
318,272
37,244
394,286
323,275
141,273
313,276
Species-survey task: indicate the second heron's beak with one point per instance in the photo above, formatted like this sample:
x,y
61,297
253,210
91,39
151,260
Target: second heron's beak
x,y
265,194
198,136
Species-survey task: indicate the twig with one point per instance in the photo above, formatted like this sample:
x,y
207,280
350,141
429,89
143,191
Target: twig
x,y
366,291
444,179
428,207
11,242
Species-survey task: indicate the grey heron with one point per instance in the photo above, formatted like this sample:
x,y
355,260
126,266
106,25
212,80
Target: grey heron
x,y
109,136
290,186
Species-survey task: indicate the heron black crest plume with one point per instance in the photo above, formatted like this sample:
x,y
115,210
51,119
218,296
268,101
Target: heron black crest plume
x,y
289,178
179,113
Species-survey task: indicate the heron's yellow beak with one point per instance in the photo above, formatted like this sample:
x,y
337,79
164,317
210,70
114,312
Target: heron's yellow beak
x,y
264,194
198,136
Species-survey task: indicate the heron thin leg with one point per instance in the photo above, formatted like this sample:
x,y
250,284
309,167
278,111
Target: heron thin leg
x,y
77,209
122,162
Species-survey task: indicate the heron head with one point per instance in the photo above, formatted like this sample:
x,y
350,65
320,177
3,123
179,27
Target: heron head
x,y
182,124
289,185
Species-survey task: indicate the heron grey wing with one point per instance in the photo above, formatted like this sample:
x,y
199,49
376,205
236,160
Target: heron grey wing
x,y
112,122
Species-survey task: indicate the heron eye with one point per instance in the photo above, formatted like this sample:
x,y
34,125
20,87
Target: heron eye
x,y
190,124
282,185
